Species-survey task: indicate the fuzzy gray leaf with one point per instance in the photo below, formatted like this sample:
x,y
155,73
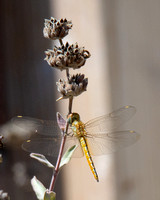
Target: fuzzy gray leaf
x,y
38,188
67,156
41,158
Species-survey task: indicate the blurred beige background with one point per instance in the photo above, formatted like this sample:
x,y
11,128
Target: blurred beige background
x,y
124,68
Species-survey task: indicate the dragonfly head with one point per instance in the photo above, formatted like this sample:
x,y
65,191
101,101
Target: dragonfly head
x,y
73,117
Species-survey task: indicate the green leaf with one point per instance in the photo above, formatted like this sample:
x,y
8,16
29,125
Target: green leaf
x,y
67,156
41,158
38,188
49,195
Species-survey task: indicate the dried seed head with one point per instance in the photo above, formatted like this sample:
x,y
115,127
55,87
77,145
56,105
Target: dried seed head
x,y
72,87
67,56
56,29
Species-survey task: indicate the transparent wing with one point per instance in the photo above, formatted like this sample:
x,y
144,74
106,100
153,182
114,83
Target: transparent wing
x,y
43,145
38,126
46,138
50,145
100,136
105,143
110,122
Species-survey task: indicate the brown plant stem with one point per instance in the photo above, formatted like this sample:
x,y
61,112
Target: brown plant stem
x,y
55,173
70,104
64,133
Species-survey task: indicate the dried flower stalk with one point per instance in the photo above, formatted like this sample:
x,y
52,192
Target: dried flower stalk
x,y
65,57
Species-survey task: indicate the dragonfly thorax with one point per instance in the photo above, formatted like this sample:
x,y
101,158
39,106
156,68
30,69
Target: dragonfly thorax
x,y
78,128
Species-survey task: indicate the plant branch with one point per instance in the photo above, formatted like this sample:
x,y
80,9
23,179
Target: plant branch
x,y
64,133
55,173
70,105
51,187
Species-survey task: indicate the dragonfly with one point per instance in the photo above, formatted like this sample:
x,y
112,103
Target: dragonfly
x,y
98,136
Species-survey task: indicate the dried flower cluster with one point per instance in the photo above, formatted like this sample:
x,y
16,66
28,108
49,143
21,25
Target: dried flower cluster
x,y
74,86
4,195
56,29
67,56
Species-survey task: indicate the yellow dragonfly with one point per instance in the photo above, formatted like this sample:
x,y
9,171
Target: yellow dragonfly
x,y
96,137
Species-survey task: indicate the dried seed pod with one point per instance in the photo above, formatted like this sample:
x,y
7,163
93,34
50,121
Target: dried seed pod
x,y
67,56
74,86
56,29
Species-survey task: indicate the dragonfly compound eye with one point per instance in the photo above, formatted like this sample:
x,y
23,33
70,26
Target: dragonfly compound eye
x,y
73,117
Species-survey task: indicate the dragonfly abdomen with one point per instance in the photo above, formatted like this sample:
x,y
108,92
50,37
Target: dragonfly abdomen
x,y
88,157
